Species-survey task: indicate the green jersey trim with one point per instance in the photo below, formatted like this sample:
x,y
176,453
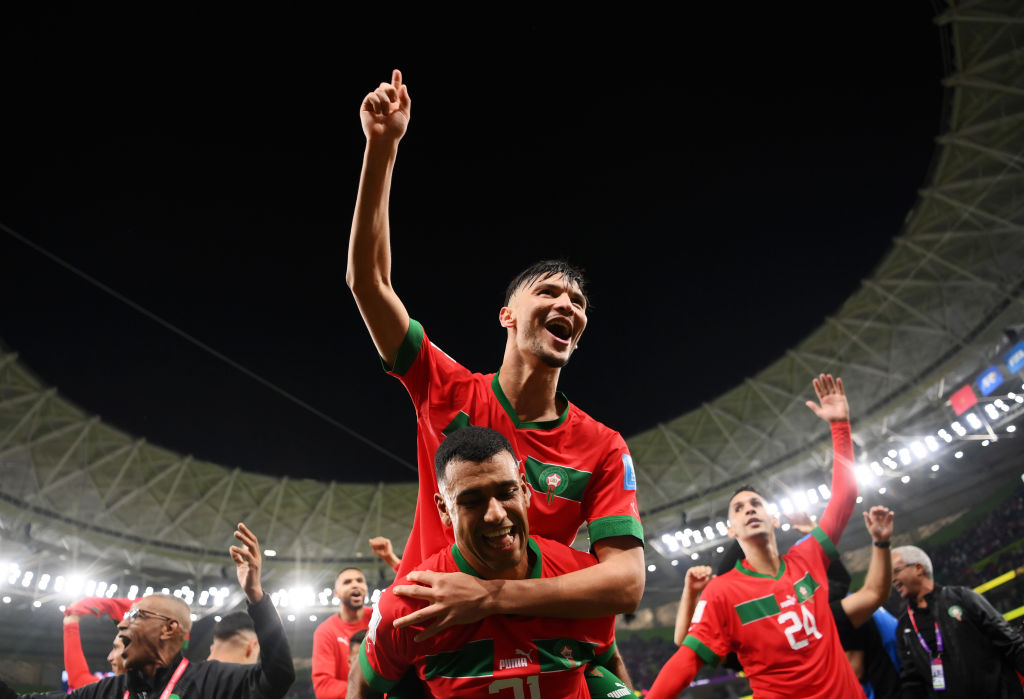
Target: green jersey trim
x,y
465,567
458,422
746,571
702,651
475,659
826,543
616,525
757,609
407,351
545,425
560,654
381,684
607,655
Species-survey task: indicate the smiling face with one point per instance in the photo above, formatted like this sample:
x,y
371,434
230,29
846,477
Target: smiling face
x,y
546,318
486,502
748,516
909,580
350,587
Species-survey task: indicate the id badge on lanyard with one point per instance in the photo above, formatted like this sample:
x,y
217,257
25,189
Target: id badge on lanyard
x,y
938,679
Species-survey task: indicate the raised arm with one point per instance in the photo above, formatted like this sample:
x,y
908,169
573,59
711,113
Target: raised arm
x,y
833,408
385,118
877,586
697,578
381,546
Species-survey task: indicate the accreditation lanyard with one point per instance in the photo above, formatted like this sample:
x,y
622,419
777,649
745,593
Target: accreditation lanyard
x,y
178,672
938,677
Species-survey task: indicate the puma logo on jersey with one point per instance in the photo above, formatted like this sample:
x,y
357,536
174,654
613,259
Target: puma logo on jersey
x,y
622,691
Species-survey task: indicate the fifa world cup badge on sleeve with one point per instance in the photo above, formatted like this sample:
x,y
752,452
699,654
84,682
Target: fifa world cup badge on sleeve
x,y
628,474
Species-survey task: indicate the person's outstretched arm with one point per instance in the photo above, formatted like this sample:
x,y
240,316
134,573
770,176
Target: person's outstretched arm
x,y
74,659
833,408
860,605
697,578
385,118
676,675
381,546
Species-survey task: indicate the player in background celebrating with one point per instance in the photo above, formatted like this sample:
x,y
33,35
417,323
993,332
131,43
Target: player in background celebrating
x,y
578,469
771,610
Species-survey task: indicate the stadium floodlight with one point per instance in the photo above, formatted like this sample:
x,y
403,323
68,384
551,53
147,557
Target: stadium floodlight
x,y
905,456
946,436
787,506
905,480
194,617
958,455
697,537
1011,428
44,581
27,579
335,601
999,403
860,499
675,562
720,549
269,553
651,568
974,421
881,491
1018,399
876,468
695,555
892,453
148,592
166,591
291,617
958,428
935,467
785,526
709,533
670,542
133,591
37,604
722,529
984,442
890,463
800,500
773,509
101,587
6,599
991,411
204,597
312,617
825,492
14,573
111,589
812,496
918,449
932,443
863,475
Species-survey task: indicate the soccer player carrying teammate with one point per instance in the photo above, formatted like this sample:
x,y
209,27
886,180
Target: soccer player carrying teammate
x,y
484,498
771,610
578,469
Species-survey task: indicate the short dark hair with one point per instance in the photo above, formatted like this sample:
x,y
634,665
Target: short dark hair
x,y
471,443
742,489
232,625
543,270
357,637
361,572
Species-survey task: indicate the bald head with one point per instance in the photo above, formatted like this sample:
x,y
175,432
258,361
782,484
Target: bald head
x,y
171,606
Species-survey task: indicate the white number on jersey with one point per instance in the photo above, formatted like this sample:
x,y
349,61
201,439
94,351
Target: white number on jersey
x,y
807,625
516,685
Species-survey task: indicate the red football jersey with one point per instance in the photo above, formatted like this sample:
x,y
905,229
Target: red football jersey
x,y
579,469
531,656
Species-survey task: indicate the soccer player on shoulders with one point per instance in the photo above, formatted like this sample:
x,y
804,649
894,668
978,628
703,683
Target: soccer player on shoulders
x,y
484,499
578,469
771,610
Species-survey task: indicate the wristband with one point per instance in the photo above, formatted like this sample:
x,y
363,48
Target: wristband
x,y
881,544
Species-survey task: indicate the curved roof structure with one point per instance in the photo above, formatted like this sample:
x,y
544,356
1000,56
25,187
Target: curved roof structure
x,y
935,312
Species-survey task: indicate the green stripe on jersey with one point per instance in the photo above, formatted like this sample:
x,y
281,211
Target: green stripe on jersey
x,y
805,588
760,608
826,543
615,525
475,659
558,654
381,684
461,420
702,651
562,481
408,350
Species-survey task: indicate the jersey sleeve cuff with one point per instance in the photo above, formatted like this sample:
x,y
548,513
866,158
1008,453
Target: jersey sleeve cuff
x,y
822,538
408,350
381,684
707,655
617,525
607,655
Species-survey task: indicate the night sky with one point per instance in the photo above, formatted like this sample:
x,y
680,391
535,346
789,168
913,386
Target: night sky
x,y
726,178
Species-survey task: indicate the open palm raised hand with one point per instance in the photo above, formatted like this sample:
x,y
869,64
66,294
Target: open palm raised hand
x,y
832,405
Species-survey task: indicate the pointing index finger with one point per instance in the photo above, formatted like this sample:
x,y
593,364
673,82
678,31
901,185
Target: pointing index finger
x,y
396,78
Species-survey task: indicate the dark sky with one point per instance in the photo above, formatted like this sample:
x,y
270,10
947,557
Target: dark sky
x,y
726,178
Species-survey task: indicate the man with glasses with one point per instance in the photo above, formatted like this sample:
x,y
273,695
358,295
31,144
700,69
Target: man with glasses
x,y
952,642
154,631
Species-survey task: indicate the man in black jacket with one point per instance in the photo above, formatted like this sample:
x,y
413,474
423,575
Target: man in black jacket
x,y
952,642
156,629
